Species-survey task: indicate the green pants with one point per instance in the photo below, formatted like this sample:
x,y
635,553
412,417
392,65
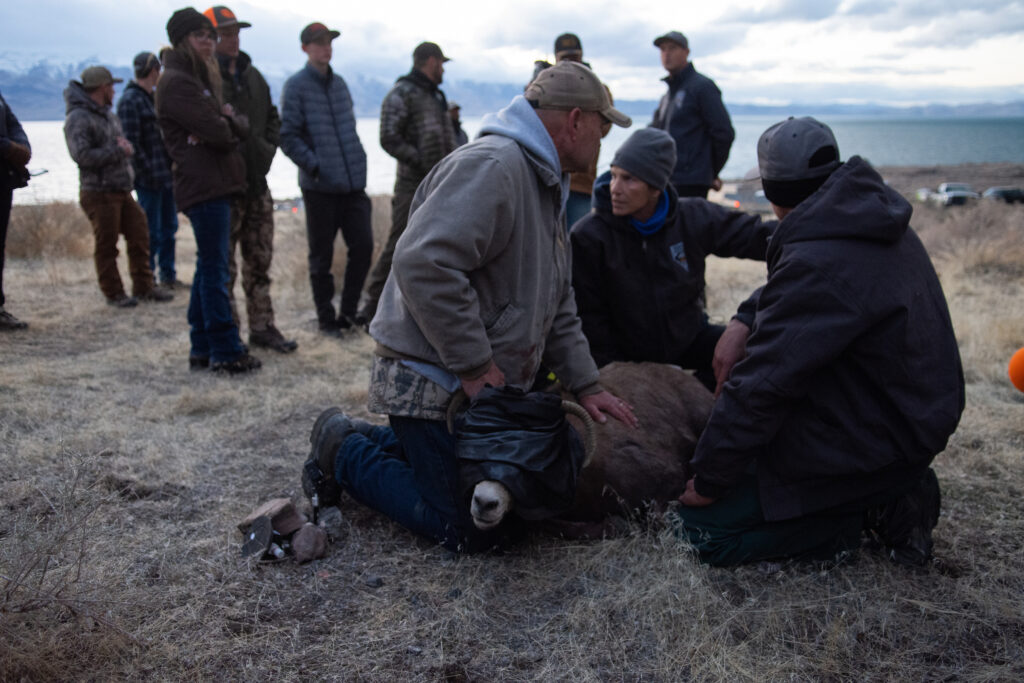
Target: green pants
x,y
733,530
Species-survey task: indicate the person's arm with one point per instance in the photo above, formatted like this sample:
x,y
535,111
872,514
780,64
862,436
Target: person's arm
x,y
198,114
591,302
131,126
86,150
718,125
293,129
805,320
725,232
394,121
14,146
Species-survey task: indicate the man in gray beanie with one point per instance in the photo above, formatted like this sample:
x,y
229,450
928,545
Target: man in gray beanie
x,y
638,260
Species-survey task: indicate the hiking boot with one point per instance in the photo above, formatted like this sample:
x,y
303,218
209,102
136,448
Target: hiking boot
x,y
244,363
331,328
122,300
157,295
330,430
9,322
271,338
174,284
198,362
904,525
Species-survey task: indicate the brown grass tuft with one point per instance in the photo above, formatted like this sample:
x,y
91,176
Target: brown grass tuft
x,y
52,230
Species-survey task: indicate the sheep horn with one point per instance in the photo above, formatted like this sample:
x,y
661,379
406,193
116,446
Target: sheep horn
x,y
589,431
454,406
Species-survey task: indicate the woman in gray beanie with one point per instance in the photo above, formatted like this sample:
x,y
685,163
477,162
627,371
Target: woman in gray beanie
x,y
638,261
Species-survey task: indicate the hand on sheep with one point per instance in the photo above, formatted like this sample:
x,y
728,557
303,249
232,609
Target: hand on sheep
x,y
493,377
730,350
693,499
604,402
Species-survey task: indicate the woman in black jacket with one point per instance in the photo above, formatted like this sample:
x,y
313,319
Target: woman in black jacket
x,y
202,137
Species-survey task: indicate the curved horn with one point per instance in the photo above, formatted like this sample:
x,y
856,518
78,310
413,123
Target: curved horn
x,y
589,431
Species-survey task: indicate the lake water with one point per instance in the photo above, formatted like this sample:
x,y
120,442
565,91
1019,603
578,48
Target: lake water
x,y
884,142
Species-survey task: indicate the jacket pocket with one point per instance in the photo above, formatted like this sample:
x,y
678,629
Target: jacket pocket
x,y
503,320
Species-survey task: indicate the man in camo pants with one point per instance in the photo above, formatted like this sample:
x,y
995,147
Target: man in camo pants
x,y
252,216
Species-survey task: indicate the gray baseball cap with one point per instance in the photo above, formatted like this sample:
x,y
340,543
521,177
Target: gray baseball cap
x,y
95,76
675,37
797,149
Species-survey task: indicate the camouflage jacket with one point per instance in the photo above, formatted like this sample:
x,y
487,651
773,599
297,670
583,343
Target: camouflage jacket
x,y
415,127
91,132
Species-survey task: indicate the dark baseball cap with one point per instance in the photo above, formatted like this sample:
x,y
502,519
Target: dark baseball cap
x,y
95,76
568,43
797,149
676,37
315,31
221,17
568,85
426,50
144,63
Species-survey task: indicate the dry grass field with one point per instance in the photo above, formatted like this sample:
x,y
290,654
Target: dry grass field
x,y
124,476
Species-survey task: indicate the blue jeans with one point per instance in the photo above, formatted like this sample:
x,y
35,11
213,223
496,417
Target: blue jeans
x,y
213,331
162,216
409,473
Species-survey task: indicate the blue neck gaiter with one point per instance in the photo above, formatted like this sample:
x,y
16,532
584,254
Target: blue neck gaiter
x,y
657,219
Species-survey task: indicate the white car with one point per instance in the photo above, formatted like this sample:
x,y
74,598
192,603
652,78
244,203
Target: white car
x,y
954,194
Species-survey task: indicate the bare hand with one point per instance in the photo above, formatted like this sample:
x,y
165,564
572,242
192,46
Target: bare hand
x,y
18,154
692,499
730,350
125,146
227,109
493,377
192,139
716,184
604,402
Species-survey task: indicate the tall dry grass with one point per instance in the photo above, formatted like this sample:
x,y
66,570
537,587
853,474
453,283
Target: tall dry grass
x,y
124,475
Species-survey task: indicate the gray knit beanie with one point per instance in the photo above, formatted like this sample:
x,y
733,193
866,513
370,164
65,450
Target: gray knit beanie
x,y
650,155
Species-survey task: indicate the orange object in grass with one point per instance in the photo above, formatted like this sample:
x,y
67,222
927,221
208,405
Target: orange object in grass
x,y
1017,369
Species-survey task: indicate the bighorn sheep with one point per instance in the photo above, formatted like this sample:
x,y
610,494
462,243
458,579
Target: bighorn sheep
x,y
629,468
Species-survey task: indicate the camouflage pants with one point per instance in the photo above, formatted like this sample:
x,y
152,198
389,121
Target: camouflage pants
x,y
252,230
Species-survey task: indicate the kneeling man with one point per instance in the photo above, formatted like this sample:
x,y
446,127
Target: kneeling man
x,y
479,294
851,381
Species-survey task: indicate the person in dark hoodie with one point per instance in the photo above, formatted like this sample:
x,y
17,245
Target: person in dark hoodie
x,y
103,154
252,215
153,185
15,153
850,382
203,138
638,261
416,130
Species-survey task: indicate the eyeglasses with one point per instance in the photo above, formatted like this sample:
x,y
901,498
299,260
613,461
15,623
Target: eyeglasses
x,y
204,35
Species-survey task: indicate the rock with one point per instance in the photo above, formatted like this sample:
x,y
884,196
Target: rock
x,y
283,515
373,581
309,543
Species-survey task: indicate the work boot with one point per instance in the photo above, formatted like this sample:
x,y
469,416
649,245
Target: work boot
x,y
156,295
904,525
9,322
271,338
122,300
244,363
330,430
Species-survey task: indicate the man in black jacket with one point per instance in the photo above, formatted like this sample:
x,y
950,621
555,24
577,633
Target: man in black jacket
x,y
692,112
638,261
851,382
15,153
252,216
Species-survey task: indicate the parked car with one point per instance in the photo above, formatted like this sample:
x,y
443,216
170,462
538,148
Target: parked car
x,y
954,194
1010,195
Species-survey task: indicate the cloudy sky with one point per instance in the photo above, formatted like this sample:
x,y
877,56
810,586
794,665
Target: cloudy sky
x,y
758,51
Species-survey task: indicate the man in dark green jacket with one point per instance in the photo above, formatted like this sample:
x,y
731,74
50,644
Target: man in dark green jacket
x,y
415,129
252,216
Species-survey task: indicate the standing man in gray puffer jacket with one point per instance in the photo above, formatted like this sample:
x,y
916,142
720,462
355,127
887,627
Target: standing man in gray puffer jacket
x,y
103,154
318,133
415,129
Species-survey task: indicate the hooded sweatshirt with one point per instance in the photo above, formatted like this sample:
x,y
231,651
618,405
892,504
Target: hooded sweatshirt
x,y
852,381
482,271
91,132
